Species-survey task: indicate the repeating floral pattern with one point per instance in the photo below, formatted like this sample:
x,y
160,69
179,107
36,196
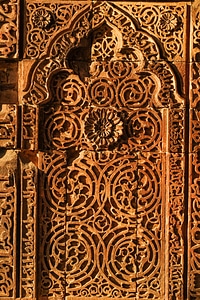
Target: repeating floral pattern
x,y
104,94
167,23
100,212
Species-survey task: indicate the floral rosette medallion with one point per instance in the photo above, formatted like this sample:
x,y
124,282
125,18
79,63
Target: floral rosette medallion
x,y
103,127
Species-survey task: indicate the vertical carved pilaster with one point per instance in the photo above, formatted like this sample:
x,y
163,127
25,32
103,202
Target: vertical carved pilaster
x,y
52,226
194,163
175,205
176,220
28,229
8,208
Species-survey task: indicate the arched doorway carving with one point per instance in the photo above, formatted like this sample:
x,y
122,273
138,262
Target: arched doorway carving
x,y
104,228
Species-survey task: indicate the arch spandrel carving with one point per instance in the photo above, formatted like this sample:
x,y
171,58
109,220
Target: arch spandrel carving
x,y
79,29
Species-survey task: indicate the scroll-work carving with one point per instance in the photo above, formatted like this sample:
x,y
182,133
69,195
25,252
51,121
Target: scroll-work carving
x,y
8,225
95,197
6,240
28,230
105,97
193,261
8,28
166,22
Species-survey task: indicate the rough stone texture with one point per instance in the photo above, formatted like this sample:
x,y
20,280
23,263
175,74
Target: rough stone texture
x,y
99,150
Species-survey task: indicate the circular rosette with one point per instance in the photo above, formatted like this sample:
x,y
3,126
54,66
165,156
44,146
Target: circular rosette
x,y
81,190
102,92
120,201
149,16
168,23
82,249
71,92
132,93
42,18
103,127
144,129
62,130
136,92
120,69
132,255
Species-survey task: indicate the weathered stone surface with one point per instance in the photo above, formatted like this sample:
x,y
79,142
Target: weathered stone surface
x,y
8,82
9,28
193,205
8,126
99,150
8,224
28,229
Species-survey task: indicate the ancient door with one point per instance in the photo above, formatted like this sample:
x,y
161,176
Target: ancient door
x,y
99,137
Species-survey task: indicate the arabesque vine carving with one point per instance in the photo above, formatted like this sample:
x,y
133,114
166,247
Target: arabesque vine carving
x,y
137,45
7,240
193,261
8,28
166,22
28,230
99,150
44,19
52,211
105,97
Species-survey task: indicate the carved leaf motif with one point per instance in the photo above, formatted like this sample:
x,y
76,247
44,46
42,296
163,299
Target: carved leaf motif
x,y
8,29
110,122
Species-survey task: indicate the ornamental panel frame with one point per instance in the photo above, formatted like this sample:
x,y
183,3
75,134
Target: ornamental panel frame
x,y
78,94
100,129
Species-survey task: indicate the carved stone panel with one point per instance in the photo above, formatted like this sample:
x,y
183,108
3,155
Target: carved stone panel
x,y
102,97
28,225
99,133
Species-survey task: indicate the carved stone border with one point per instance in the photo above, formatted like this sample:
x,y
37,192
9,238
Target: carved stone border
x,y
194,163
9,28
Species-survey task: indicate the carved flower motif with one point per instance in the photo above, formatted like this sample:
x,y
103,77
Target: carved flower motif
x,y
42,18
168,21
103,127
